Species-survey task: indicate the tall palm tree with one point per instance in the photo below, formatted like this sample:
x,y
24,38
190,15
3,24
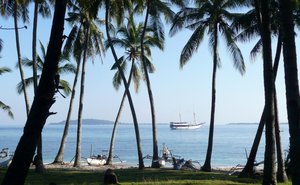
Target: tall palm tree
x,y
3,106
44,99
18,9
90,37
129,39
154,9
71,45
211,17
292,86
250,26
109,7
265,29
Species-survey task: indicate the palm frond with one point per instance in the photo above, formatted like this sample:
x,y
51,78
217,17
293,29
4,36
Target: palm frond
x,y
256,50
26,62
28,82
65,87
192,45
4,70
67,68
1,44
44,9
70,41
214,45
136,75
7,109
43,49
238,59
117,80
149,65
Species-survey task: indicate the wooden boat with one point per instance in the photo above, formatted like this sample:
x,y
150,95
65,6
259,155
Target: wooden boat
x,y
185,125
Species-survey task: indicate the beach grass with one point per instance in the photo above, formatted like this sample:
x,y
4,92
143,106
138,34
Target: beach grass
x,y
135,176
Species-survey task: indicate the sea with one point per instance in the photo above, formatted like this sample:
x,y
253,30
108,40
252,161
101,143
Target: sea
x,y
231,145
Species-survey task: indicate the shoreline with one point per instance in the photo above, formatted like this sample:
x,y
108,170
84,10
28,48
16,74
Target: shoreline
x,y
86,167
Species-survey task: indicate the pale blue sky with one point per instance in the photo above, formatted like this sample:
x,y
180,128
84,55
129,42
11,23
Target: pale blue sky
x,y
239,98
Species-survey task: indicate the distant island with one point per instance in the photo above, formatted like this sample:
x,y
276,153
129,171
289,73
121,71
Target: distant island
x,y
248,123
242,123
87,122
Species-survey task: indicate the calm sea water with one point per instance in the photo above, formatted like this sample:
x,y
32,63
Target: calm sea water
x,y
230,142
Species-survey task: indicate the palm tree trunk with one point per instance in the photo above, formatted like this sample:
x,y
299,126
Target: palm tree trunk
x,y
269,177
207,163
292,86
18,169
39,164
34,36
60,154
155,161
20,58
248,169
281,174
136,126
112,139
77,162
38,160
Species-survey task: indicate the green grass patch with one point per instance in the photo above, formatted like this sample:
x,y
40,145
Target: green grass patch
x,y
135,176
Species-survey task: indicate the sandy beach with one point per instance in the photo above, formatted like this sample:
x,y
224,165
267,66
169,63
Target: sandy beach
x,y
86,167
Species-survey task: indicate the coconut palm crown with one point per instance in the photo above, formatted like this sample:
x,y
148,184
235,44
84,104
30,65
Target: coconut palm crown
x,y
65,67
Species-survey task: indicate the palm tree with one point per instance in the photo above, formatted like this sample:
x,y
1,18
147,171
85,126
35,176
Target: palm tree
x,y
3,106
250,26
292,86
44,99
71,41
129,39
154,9
90,44
209,17
19,9
263,9
108,10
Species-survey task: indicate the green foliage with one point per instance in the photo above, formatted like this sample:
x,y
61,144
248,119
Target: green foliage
x,y
212,18
129,38
7,109
65,67
3,106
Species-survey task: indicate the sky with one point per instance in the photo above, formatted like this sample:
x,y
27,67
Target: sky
x,y
177,92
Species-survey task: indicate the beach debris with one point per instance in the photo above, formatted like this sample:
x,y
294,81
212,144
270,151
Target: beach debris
x,y
188,165
110,177
166,156
5,157
177,163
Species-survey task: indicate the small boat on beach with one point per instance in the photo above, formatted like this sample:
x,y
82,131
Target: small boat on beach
x,y
98,160
185,125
